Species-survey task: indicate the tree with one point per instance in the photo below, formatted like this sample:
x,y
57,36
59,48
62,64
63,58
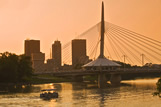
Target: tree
x,y
25,70
158,92
8,67
123,64
14,68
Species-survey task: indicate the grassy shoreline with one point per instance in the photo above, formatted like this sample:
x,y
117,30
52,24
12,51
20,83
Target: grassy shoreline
x,y
41,79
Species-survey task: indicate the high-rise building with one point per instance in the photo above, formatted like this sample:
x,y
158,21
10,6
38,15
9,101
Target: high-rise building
x,y
32,49
32,46
38,61
56,54
79,56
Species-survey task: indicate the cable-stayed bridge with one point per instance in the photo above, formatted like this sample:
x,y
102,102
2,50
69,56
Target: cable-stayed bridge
x,y
120,45
116,43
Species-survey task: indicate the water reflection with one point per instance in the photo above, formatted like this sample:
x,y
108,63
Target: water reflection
x,y
18,89
136,92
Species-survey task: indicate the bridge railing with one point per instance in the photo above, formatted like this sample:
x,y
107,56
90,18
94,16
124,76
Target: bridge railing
x,y
139,69
104,70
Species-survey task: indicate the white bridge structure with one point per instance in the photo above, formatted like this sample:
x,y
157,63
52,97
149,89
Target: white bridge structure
x,y
123,41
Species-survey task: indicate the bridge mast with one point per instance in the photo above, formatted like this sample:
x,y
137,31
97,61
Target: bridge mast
x,y
102,62
102,33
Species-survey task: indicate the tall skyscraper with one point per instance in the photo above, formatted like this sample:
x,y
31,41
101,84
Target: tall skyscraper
x,y
79,56
32,46
56,53
32,49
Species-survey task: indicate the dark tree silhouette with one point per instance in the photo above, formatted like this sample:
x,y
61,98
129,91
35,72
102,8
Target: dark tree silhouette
x,y
14,68
158,92
24,68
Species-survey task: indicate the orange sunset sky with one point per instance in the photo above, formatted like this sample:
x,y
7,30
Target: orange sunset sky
x,y
48,20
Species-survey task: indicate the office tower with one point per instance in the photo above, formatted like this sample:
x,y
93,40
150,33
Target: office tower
x,y
38,61
32,49
56,54
79,56
32,46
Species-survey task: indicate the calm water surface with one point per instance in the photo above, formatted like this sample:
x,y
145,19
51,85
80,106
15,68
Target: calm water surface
x,y
135,93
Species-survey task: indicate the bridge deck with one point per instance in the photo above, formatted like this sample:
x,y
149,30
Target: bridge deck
x,y
95,72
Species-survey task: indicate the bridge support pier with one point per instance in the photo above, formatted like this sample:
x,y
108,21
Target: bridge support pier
x,y
77,78
115,79
102,80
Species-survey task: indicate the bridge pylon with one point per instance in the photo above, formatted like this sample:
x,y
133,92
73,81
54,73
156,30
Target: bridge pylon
x,y
101,62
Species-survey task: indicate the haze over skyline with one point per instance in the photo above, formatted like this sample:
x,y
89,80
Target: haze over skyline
x,y
49,20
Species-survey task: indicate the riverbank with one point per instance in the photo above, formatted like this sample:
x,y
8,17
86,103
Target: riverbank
x,y
37,79
42,79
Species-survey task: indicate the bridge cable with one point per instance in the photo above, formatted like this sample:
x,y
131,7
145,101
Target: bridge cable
x,y
136,34
138,42
132,36
135,44
126,48
113,47
121,50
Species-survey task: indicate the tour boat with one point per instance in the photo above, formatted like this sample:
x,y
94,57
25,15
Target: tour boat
x,y
48,94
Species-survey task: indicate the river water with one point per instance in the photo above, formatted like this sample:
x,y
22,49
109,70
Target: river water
x,y
134,93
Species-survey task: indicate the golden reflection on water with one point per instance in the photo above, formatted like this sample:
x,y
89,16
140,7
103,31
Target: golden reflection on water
x,y
131,93
142,82
72,95
53,103
66,94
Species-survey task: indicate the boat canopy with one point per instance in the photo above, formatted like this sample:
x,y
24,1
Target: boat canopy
x,y
48,90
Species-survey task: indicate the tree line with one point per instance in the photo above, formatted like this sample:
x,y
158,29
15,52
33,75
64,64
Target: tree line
x,y
15,68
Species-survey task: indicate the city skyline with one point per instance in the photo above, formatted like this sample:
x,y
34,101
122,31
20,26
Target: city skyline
x,y
80,53
18,25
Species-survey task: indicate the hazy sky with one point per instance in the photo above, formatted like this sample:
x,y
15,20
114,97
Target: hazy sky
x,y
48,20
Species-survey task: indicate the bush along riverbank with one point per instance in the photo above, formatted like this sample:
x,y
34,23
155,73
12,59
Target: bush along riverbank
x,y
158,92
